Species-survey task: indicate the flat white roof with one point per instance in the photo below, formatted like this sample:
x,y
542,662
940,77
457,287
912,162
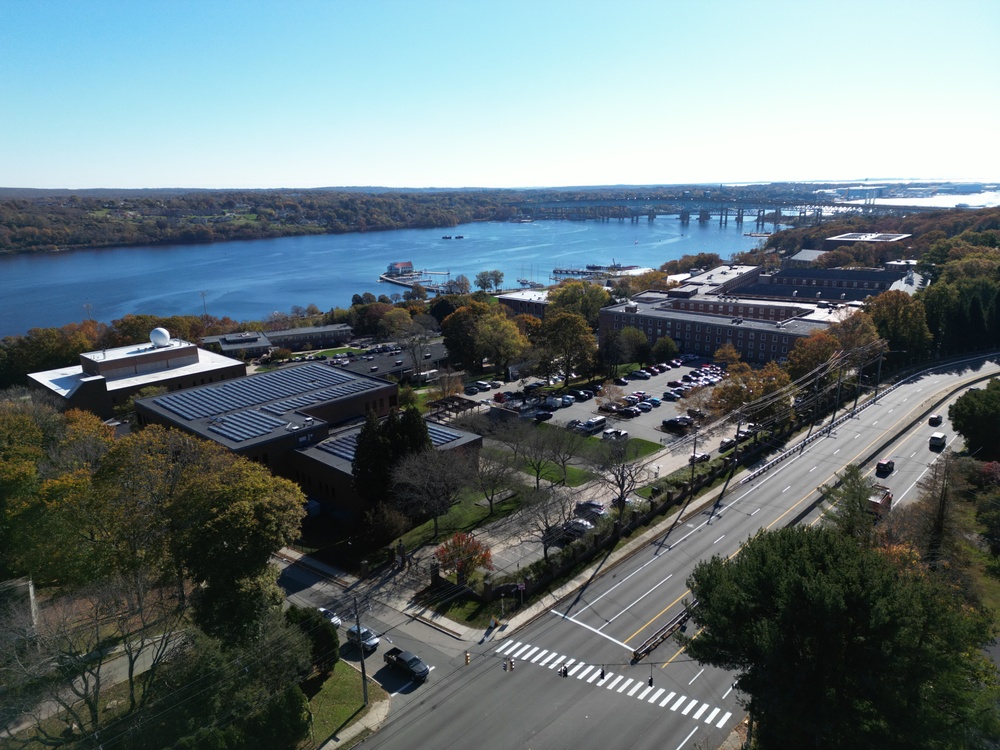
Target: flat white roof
x,y
133,350
64,380
526,295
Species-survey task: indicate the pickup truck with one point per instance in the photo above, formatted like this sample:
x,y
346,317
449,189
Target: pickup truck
x,y
408,662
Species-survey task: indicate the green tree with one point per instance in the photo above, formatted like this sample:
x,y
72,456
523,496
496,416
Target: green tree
x,y
568,336
838,646
499,340
665,349
975,416
321,633
850,505
483,281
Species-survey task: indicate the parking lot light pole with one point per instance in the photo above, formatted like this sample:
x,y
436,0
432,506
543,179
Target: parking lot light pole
x,y
361,649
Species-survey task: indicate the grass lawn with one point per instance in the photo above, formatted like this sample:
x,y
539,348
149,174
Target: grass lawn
x,y
464,516
338,702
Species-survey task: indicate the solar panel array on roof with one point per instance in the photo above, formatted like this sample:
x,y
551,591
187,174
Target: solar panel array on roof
x,y
342,447
441,435
244,425
328,394
304,381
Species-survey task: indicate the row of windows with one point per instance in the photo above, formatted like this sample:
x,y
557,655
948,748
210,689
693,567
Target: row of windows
x,y
840,284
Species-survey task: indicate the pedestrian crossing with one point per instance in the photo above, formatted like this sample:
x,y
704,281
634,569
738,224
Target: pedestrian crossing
x,y
640,690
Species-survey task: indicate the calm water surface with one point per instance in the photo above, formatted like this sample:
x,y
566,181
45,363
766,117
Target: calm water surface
x,y
249,280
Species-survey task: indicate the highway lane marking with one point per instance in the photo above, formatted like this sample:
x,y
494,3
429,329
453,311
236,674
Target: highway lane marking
x,y
728,691
836,451
755,512
696,676
590,628
684,741
635,602
786,489
719,539
813,469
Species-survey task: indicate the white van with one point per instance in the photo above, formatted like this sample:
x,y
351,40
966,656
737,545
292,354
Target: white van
x,y
938,441
594,425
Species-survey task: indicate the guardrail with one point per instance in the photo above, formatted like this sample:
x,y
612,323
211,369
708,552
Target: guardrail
x,y
663,633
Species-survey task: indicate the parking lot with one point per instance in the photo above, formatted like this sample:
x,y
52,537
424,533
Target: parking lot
x,y
647,424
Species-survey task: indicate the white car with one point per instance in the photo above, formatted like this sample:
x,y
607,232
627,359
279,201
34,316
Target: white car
x,y
331,616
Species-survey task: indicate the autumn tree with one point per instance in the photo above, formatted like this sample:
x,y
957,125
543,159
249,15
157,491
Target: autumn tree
x,y
499,340
810,352
464,554
580,297
901,320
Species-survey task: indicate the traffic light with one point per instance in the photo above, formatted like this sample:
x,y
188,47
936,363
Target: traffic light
x,y
602,673
651,680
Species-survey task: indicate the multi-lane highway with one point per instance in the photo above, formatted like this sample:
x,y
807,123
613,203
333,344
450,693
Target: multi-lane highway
x,y
666,700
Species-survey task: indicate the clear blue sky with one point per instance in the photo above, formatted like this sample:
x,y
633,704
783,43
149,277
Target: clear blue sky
x,y
420,93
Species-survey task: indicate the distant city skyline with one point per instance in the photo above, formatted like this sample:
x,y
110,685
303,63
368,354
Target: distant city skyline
x,y
450,94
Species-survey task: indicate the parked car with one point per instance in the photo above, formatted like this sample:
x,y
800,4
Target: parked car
x,y
653,401
696,413
885,467
589,510
407,662
496,384
614,435
577,527
543,416
373,368
331,616
697,458
609,408
568,400
629,412
675,383
471,390
644,406
727,443
363,638
677,424
621,381
573,424
641,374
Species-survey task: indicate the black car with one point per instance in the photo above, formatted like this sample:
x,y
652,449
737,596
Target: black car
x,y
471,390
621,381
543,416
677,424
727,443
589,510
629,412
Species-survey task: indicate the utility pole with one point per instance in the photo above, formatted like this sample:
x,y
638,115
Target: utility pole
x,y
361,648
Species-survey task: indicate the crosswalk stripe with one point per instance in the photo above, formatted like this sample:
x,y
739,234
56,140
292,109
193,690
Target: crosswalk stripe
x,y
584,672
573,670
594,676
700,711
644,693
507,646
528,654
521,650
657,694
607,676
692,704
715,711
625,684
633,690
724,719
667,699
611,685
678,703
540,663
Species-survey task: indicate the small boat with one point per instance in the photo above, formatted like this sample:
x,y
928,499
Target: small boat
x,y
459,236
446,237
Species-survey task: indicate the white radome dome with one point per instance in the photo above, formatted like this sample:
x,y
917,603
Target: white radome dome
x,y
160,337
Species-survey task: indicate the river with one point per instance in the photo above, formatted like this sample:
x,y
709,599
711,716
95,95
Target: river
x,y
249,280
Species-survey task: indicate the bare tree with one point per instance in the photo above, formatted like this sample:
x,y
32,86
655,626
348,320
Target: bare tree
x,y
495,473
542,516
563,447
619,467
428,483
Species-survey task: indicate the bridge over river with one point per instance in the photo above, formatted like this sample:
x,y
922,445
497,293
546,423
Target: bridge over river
x,y
705,209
